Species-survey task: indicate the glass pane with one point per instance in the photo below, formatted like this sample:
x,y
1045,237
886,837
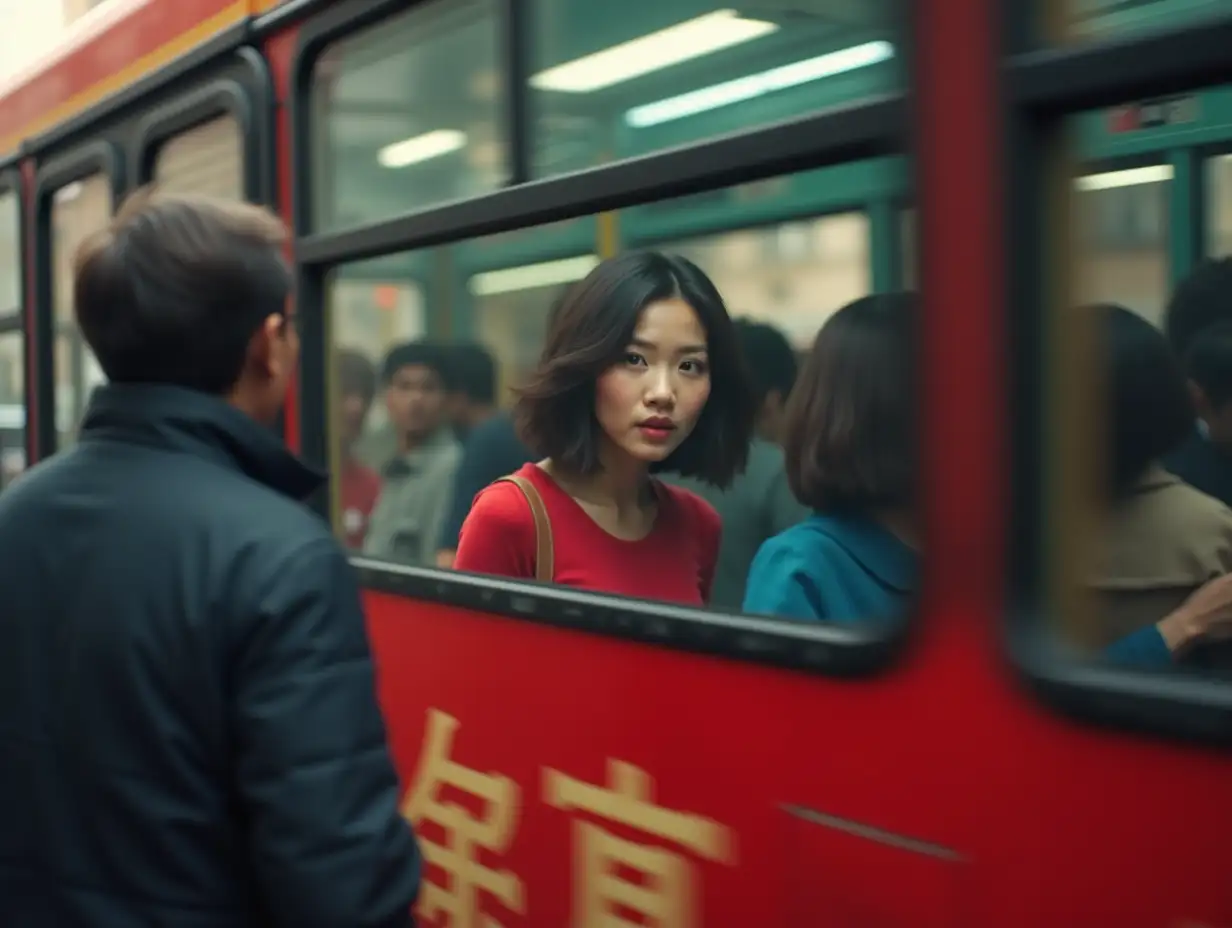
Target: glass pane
x,y
1122,244
408,114
207,160
78,210
908,247
1137,475
12,411
1089,20
10,253
782,269
1219,206
612,80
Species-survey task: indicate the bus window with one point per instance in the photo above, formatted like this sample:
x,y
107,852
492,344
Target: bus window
x,y
12,408
780,269
614,80
1219,206
10,253
1121,249
1078,21
389,134
78,210
206,160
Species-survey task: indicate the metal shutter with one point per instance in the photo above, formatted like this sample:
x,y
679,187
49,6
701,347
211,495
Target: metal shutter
x,y
206,160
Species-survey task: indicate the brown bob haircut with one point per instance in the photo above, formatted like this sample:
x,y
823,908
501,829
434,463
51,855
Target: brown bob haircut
x,y
849,437
590,330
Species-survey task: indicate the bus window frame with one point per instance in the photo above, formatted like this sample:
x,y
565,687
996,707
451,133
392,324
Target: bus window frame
x,y
102,157
247,98
1039,89
870,128
13,318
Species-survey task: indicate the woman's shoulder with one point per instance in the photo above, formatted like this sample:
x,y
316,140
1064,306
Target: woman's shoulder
x,y
502,501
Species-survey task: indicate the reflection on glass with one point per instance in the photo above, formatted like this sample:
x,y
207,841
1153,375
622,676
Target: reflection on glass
x,y
408,114
1090,20
207,160
1122,242
78,210
428,344
618,79
1219,206
10,253
12,410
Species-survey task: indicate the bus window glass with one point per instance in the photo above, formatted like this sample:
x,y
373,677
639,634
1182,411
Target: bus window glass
x,y
10,253
1219,206
12,408
78,210
1077,21
407,114
1121,249
909,248
206,160
785,255
612,80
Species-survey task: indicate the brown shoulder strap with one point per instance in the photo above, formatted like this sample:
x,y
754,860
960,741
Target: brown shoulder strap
x,y
545,556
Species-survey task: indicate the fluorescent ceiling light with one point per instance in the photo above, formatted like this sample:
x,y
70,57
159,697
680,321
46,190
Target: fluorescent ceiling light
x,y
756,85
421,148
530,276
684,41
1152,174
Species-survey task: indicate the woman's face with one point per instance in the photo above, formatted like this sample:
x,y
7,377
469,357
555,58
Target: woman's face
x,y
648,402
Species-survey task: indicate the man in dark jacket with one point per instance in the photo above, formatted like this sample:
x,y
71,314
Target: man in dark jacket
x,y
189,732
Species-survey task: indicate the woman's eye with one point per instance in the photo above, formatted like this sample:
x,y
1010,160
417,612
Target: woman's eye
x,y
634,358
693,366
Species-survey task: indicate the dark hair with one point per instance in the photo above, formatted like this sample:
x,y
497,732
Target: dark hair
x,y
356,374
1203,299
421,353
768,356
849,432
472,372
1148,410
555,411
174,288
1208,363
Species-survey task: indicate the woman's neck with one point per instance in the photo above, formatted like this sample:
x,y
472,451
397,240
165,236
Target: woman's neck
x,y
619,484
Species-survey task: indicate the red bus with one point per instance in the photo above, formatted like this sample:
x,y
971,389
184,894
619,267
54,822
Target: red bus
x,y
586,760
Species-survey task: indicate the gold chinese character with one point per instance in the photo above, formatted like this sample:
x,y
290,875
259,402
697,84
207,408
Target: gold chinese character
x,y
667,897
464,833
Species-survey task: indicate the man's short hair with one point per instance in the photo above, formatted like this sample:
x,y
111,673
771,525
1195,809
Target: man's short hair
x,y
472,372
174,288
418,353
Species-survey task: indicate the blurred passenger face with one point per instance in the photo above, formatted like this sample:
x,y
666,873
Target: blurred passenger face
x,y
649,401
1218,418
415,401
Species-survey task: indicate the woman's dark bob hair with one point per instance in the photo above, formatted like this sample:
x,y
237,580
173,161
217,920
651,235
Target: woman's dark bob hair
x,y
849,431
590,331
1148,410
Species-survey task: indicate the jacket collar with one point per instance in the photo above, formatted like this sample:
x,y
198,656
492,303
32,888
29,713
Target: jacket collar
x,y
179,419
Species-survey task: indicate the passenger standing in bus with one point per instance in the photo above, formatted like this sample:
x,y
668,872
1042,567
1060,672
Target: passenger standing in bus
x,y
188,715
1199,327
640,372
406,521
851,457
759,503
1162,538
470,393
359,486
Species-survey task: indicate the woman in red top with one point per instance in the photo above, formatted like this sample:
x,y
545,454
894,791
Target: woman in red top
x,y
640,372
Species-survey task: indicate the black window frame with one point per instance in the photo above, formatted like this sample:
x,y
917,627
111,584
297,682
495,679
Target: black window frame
x,y
100,157
246,97
871,128
1040,87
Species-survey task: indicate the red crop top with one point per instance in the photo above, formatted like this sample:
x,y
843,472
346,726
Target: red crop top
x,y
675,562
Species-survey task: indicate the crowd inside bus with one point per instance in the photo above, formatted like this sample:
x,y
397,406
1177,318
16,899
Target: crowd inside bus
x,y
661,449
